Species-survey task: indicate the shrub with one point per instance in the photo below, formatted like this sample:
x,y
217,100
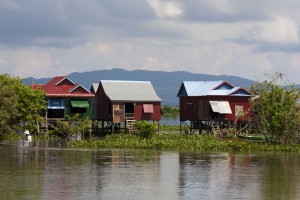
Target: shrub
x,y
145,129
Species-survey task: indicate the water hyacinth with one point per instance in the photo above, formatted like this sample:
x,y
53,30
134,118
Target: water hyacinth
x,y
181,142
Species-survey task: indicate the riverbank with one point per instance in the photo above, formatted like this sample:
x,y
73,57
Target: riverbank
x,y
180,142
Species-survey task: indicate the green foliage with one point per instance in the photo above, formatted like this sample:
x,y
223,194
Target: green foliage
x,y
73,126
10,136
8,108
169,128
275,110
20,104
145,129
170,110
181,142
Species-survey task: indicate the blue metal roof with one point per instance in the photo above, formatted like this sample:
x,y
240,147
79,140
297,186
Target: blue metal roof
x,y
209,88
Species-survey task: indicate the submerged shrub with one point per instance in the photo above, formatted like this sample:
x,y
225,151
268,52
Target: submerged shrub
x,y
145,129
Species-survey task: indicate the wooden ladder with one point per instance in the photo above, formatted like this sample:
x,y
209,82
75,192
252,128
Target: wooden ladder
x,y
216,129
130,125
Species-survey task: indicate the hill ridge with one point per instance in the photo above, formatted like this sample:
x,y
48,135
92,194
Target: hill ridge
x,y
166,84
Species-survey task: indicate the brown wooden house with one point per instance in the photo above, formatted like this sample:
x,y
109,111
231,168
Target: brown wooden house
x,y
205,102
117,102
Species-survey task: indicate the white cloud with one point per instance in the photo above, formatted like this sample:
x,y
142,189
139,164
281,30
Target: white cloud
x,y
214,37
27,62
165,9
282,30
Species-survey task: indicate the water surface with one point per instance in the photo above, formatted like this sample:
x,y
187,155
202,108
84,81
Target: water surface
x,y
59,173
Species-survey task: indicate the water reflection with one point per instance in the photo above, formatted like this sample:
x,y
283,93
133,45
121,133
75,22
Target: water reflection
x,y
60,173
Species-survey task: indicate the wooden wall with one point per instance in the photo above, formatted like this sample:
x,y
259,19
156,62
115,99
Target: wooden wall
x,y
198,108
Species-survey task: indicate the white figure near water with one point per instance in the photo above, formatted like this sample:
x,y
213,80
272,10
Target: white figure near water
x,y
27,136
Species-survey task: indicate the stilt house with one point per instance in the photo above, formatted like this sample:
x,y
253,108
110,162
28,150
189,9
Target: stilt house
x,y
64,97
121,101
204,102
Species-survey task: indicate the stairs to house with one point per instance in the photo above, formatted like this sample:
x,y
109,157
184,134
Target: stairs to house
x,y
130,126
42,127
216,129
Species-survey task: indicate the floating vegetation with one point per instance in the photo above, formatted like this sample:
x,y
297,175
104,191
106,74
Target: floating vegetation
x,y
181,142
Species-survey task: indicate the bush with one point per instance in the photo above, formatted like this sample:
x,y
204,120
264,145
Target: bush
x,y
145,129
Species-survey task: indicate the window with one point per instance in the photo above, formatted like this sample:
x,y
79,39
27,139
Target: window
x,y
79,106
129,108
55,103
78,110
55,113
221,107
239,110
148,108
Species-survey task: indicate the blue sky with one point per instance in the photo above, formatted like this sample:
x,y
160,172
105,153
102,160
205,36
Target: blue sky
x,y
232,37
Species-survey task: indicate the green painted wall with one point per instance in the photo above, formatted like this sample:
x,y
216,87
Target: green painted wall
x,y
87,114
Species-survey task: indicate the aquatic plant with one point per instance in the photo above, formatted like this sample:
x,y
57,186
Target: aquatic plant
x,y
145,129
180,142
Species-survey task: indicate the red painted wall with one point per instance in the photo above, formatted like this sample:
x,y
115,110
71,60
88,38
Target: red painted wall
x,y
104,110
189,107
140,115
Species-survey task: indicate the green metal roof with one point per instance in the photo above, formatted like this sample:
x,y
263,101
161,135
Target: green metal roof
x,y
80,104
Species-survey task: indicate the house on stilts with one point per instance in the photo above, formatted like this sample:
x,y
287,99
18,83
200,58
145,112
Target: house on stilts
x,y
119,104
64,97
205,106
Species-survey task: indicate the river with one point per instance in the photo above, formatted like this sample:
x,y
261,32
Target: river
x,y
29,172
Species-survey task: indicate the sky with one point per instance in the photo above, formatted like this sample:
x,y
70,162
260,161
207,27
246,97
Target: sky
x,y
249,39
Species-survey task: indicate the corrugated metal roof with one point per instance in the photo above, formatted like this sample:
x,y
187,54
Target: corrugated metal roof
x,y
94,87
54,89
129,90
223,92
205,88
200,88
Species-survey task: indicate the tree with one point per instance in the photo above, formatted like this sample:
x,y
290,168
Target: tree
x,y
275,110
21,102
170,110
73,127
8,109
31,105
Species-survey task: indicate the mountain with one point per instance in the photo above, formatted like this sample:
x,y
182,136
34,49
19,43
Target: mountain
x,y
166,84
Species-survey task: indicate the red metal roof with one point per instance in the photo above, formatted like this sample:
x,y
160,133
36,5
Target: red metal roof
x,y
61,86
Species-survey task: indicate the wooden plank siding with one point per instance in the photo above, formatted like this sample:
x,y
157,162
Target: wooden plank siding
x,y
139,113
115,110
198,108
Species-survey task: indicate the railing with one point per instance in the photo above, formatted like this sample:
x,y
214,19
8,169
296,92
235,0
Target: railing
x,y
129,115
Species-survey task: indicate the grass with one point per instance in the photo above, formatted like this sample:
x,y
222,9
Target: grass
x,y
182,143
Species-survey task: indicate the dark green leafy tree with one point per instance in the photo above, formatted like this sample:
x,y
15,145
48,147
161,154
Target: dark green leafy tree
x,y
275,110
24,104
8,109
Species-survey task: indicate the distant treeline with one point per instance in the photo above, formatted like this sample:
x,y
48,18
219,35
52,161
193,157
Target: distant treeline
x,y
168,110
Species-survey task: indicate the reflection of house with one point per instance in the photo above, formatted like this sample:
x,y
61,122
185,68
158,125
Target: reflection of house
x,y
118,101
203,102
64,97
